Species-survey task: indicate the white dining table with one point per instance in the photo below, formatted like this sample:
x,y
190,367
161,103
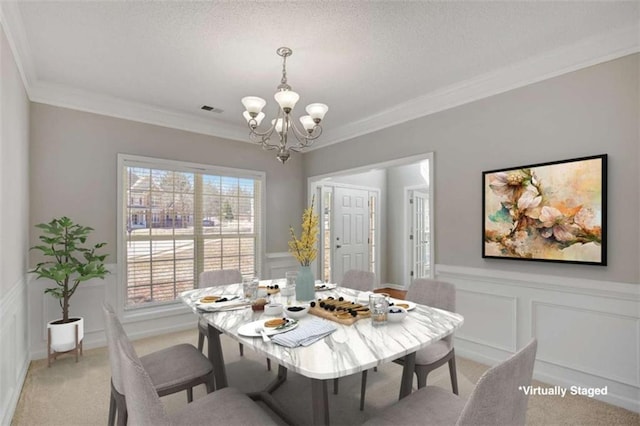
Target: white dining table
x,y
348,350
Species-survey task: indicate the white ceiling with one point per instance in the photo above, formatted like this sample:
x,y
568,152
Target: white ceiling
x,y
374,63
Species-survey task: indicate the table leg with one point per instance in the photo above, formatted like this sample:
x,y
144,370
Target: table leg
x,y
216,357
319,402
407,375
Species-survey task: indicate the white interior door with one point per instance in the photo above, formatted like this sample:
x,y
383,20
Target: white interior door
x,y
351,232
420,236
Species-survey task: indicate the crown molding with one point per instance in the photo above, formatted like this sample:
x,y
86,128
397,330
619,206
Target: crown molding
x,y
11,21
83,100
588,52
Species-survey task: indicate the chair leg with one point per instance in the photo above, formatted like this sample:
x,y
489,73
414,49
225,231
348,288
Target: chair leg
x,y
421,375
112,410
189,394
241,347
268,364
210,383
200,341
363,389
453,374
335,386
120,406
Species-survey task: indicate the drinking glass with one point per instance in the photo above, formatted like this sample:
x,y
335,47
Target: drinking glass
x,y
379,307
250,288
289,290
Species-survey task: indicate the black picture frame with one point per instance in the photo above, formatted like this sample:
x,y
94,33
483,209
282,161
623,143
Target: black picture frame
x,y
547,212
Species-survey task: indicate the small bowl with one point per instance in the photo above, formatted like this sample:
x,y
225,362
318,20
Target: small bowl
x,y
296,313
273,309
396,314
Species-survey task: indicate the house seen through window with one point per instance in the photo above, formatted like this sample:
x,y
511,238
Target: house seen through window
x,y
180,220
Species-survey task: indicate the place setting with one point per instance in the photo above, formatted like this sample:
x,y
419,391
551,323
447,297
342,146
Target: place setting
x,y
222,302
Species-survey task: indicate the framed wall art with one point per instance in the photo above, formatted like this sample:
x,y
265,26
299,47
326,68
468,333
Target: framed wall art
x,y
550,212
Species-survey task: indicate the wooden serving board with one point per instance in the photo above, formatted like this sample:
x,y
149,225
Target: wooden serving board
x,y
331,315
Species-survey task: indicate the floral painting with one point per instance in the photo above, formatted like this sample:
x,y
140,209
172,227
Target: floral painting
x,y
553,212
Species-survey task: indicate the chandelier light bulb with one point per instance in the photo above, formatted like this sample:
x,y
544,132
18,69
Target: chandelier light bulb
x,y
257,118
317,111
307,123
279,124
286,99
253,105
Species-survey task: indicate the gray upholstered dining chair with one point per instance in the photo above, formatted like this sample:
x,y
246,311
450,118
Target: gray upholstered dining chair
x,y
441,295
173,369
225,406
362,281
214,279
496,400
358,280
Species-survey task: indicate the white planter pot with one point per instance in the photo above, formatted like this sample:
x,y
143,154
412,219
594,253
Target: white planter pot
x,y
63,336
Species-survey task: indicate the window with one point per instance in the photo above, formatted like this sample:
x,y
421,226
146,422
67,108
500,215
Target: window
x,y
179,219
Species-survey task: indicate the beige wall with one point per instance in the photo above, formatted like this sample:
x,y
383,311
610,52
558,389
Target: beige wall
x,y
73,163
14,172
587,112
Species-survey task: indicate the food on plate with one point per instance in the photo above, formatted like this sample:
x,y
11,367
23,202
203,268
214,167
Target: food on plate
x,y
277,322
209,299
402,305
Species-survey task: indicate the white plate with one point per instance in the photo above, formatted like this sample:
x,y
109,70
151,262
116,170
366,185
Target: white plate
x,y
325,286
221,296
249,330
410,305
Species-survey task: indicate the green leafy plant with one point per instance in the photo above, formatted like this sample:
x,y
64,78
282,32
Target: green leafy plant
x,y
69,261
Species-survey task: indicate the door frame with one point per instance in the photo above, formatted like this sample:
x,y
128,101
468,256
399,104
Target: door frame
x,y
333,185
314,183
408,246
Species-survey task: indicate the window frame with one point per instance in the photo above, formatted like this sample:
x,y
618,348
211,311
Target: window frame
x,y
129,160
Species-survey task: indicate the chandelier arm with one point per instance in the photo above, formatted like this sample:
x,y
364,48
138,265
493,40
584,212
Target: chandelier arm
x,y
306,138
266,133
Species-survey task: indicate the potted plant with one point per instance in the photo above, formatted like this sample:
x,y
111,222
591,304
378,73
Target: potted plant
x,y
68,263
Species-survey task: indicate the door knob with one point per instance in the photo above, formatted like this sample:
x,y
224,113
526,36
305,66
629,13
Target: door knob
x,y
338,246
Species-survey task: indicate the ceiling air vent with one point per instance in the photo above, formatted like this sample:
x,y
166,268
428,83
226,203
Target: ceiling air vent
x,y
212,109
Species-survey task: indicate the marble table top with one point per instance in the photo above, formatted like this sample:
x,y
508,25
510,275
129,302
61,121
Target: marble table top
x,y
350,349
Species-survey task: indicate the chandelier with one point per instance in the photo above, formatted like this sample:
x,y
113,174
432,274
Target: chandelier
x,y
283,124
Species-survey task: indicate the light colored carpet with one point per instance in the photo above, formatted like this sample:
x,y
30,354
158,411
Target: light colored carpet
x,y
78,394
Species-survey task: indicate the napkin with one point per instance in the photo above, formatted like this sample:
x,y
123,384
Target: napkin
x,y
306,333
223,306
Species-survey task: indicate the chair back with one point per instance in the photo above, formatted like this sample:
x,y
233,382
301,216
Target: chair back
x,y
497,398
437,294
143,403
113,329
359,280
219,277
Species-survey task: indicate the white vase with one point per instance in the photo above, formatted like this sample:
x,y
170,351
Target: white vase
x,y
63,336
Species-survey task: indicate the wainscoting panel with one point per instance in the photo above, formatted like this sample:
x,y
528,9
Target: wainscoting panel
x,y
14,354
588,331
582,339
484,319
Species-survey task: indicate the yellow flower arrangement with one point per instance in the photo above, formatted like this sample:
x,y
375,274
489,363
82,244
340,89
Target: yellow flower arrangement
x,y
304,249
